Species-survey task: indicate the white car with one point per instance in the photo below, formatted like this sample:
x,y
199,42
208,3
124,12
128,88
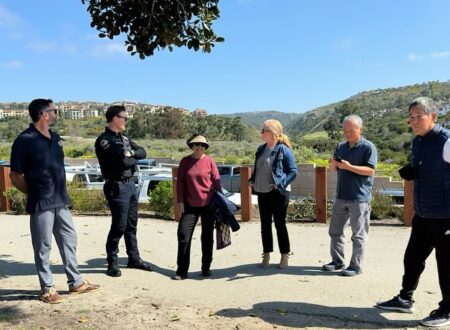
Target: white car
x,y
149,184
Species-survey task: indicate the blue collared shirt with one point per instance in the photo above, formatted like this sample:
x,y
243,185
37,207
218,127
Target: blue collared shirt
x,y
352,186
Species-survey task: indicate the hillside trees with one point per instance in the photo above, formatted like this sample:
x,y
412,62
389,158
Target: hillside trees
x,y
332,127
151,25
172,123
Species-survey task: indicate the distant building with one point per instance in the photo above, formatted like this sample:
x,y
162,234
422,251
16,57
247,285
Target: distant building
x,y
199,112
4,113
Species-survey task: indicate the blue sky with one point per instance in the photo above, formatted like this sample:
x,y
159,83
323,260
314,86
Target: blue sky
x,y
284,55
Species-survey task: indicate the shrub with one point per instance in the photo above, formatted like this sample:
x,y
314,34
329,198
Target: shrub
x,y
161,200
305,209
86,200
383,207
302,209
17,198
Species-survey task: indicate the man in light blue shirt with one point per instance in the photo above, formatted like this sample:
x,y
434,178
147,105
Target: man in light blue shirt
x,y
354,160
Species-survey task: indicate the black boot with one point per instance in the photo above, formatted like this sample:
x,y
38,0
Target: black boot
x,y
113,270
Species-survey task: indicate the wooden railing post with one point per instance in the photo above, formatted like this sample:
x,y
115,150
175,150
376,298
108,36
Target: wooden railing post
x,y
176,211
5,184
321,194
246,194
408,202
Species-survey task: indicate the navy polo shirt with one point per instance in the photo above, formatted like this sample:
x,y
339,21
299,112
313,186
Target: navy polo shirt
x,y
352,186
41,161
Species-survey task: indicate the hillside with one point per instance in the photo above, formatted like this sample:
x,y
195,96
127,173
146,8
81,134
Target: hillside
x,y
256,118
389,103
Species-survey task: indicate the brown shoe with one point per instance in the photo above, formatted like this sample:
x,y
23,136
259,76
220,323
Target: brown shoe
x,y
284,261
83,288
266,260
51,296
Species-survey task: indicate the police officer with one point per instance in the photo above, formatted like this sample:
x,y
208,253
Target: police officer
x,y
117,156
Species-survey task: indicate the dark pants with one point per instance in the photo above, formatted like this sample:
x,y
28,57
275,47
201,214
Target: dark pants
x,y
186,228
123,203
274,204
426,235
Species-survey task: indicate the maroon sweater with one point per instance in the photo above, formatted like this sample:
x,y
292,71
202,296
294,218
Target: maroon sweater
x,y
196,180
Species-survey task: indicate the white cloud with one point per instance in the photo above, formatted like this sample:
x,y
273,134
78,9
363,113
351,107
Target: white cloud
x,y
110,49
7,18
413,57
345,43
13,64
43,46
70,48
440,54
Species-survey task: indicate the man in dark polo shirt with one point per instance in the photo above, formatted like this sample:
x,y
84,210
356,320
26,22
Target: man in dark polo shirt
x,y
354,160
37,170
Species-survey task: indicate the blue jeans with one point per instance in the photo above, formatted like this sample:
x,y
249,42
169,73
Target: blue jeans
x,y
59,222
358,214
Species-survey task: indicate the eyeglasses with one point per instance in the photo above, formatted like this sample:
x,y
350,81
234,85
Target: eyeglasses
x,y
197,144
123,117
264,131
418,117
52,110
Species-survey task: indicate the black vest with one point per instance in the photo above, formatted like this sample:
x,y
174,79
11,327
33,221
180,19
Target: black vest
x,y
432,179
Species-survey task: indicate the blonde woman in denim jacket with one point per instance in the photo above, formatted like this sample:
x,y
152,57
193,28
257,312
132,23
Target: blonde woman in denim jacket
x,y
274,170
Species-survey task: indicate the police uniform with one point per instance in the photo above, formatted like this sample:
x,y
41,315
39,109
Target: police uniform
x,y
120,192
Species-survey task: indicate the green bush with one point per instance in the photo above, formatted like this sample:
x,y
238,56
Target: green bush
x,y
383,207
304,209
86,200
18,200
161,200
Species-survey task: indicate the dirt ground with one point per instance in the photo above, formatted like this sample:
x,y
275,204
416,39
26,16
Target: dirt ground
x,y
239,295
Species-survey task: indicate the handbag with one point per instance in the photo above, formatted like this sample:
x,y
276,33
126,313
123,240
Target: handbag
x,y
223,235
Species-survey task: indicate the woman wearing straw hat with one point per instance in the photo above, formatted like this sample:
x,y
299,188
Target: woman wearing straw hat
x,y
197,179
273,172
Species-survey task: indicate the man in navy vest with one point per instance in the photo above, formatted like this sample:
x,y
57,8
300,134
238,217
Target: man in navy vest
x,y
430,169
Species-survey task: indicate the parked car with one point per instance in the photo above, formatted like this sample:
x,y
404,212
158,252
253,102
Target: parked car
x,y
149,183
396,194
230,177
90,180
145,164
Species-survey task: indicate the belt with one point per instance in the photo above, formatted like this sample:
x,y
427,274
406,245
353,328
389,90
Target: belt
x,y
120,180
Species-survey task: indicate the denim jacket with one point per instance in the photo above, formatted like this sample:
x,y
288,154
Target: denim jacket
x,y
284,168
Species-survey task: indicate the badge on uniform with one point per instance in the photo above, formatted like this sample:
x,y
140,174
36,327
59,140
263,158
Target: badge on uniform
x,y
104,144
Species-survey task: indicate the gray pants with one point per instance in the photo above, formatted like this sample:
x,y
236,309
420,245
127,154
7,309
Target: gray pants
x,y
59,222
358,214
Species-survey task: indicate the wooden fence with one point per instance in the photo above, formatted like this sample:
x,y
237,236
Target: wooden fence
x,y
321,193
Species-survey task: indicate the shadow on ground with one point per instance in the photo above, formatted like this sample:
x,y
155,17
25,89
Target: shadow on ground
x,y
300,315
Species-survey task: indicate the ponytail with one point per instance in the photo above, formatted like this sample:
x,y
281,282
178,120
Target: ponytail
x,y
285,140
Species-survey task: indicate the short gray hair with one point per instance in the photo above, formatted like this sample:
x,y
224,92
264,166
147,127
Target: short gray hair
x,y
357,120
428,105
